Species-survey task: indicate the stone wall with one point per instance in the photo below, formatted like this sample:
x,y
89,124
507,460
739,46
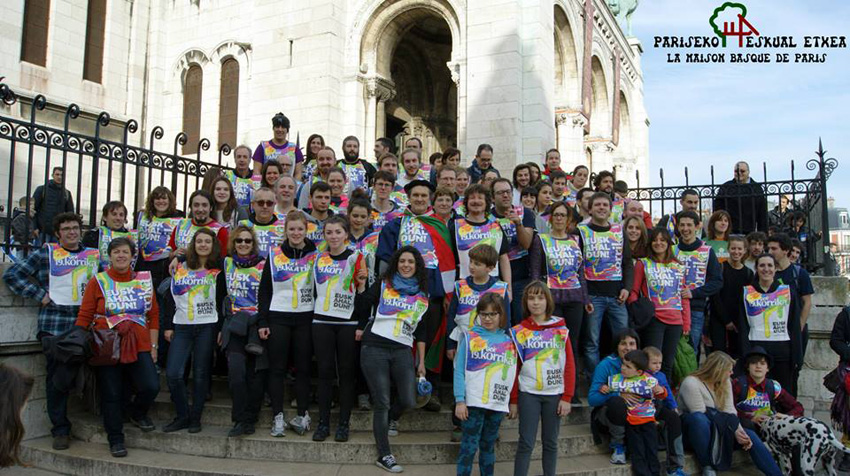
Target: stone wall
x,y
831,294
18,348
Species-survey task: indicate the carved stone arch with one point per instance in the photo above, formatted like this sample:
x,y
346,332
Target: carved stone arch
x,y
187,59
567,57
239,51
601,100
377,19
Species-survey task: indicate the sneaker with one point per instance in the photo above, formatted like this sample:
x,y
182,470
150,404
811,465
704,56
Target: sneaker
x,y
619,455
341,433
363,402
677,472
118,450
237,430
387,463
433,404
249,429
457,434
300,424
323,431
393,428
194,427
176,425
61,442
708,471
279,425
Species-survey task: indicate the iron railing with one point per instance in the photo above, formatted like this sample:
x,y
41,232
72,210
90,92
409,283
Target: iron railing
x,y
96,169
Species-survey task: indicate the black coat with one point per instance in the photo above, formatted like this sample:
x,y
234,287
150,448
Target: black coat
x,y
746,204
51,200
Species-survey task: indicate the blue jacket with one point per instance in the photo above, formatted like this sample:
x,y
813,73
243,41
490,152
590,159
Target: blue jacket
x,y
609,366
669,401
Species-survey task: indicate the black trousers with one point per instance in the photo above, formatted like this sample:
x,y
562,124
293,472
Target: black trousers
x,y
283,336
672,426
665,337
336,350
642,441
433,319
785,372
246,384
573,315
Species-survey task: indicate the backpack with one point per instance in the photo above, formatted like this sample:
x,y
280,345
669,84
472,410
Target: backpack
x,y
685,362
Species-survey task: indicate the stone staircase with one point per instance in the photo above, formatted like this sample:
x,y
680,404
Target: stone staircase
x,y
422,447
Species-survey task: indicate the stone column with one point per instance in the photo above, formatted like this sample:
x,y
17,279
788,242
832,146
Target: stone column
x,y
378,92
570,124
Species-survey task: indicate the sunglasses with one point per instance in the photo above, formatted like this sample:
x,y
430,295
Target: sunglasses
x,y
264,203
239,241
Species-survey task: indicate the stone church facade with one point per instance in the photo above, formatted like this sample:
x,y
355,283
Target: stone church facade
x,y
522,75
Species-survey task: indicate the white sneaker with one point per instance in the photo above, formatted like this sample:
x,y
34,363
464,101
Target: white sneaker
x,y
363,402
300,424
393,429
279,425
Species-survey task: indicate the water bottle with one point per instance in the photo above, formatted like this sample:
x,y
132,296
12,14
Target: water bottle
x,y
423,392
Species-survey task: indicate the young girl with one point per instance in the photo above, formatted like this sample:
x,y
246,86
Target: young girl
x,y
192,324
333,328
719,226
546,377
727,304
482,401
286,313
637,237
225,210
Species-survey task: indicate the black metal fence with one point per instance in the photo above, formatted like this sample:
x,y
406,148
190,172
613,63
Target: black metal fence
x,y
96,169
759,197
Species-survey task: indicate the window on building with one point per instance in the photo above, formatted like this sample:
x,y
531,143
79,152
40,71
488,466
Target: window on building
x,y
95,33
229,102
34,40
192,90
844,220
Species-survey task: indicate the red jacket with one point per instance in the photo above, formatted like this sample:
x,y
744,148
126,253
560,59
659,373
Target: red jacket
x,y
667,316
569,363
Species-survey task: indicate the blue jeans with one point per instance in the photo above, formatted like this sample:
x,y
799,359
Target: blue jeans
x,y
697,323
618,319
196,340
697,433
111,379
517,287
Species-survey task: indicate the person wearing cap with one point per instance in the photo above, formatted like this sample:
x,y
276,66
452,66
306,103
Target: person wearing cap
x,y
421,228
278,146
770,318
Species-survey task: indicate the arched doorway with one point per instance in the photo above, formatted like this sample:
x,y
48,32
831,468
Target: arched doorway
x,y
406,51
600,113
426,97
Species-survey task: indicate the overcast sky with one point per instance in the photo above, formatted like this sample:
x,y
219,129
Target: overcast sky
x,y
716,114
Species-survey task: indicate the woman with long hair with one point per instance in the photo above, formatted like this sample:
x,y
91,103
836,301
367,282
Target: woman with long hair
x,y
269,173
719,228
535,173
770,318
555,259
544,199
340,274
225,209
304,170
702,395
192,321
661,277
636,237
15,389
243,268
286,303
122,300
401,296
577,181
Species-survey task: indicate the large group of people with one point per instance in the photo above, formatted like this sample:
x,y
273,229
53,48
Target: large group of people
x,y
396,272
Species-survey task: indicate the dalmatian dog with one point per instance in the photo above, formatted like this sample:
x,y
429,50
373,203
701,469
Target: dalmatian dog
x,y
813,437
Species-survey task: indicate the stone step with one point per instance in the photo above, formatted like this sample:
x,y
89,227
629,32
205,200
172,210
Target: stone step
x,y
84,459
411,447
217,413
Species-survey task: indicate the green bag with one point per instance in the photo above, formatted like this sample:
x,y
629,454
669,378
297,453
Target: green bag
x,y
686,361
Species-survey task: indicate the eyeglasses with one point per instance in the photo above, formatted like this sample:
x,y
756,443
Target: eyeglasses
x,y
239,241
502,192
264,203
489,315
559,215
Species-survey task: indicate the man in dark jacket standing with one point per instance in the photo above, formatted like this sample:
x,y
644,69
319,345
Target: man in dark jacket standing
x,y
51,200
482,163
744,199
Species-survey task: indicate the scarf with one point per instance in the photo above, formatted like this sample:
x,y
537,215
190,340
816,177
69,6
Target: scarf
x,y
247,261
408,286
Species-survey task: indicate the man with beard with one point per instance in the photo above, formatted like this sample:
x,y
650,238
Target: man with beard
x,y
357,170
